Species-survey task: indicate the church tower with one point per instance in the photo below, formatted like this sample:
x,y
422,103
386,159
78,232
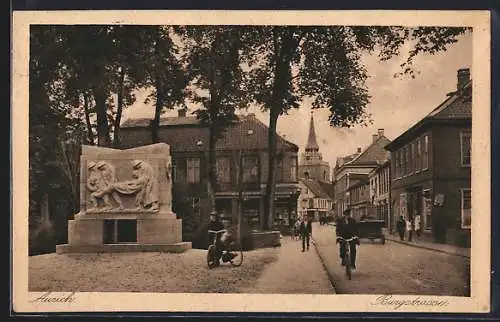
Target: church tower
x,y
312,165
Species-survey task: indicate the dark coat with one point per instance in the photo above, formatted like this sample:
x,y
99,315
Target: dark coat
x,y
401,224
347,230
305,228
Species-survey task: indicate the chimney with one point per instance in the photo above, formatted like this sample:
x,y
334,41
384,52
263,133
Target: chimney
x,y
380,132
374,138
182,112
463,77
359,150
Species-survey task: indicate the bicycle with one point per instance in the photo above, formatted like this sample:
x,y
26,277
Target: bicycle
x,y
347,253
233,255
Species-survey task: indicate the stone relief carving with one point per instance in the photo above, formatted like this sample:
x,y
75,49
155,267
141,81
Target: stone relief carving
x,y
143,185
102,184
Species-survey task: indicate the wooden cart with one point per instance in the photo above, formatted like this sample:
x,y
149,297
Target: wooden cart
x,y
372,229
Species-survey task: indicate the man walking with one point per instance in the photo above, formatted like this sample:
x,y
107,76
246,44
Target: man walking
x,y
401,227
305,230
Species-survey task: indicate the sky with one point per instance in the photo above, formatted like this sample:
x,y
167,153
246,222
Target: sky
x,y
395,105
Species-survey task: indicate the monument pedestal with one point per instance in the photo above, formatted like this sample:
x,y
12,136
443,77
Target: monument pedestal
x,y
124,232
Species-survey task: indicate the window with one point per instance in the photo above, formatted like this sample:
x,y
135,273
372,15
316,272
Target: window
x,y
410,158
193,170
466,208
425,153
404,163
223,170
250,169
419,156
174,172
465,146
279,170
293,170
397,161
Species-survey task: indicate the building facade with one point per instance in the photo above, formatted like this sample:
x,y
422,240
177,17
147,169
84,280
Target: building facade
x,y
242,148
351,169
431,168
313,201
380,193
359,198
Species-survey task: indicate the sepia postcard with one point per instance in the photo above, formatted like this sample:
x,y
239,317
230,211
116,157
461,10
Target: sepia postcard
x,y
251,161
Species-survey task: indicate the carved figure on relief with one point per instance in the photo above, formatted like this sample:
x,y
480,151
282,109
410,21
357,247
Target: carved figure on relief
x,y
100,182
143,185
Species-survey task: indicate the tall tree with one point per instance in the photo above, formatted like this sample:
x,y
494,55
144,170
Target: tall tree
x,y
164,72
215,56
324,63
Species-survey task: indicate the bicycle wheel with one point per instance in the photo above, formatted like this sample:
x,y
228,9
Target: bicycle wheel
x,y
212,256
348,265
237,250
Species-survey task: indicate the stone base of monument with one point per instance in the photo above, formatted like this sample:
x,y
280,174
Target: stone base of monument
x,y
124,232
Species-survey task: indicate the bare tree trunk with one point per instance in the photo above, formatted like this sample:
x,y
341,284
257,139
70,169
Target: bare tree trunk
x,y
212,168
271,176
103,138
155,126
86,106
119,111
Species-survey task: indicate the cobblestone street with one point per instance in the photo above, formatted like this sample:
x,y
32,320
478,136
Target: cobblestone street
x,y
394,268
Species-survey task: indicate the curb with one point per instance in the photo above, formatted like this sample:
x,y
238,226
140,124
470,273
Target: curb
x,y
322,260
395,240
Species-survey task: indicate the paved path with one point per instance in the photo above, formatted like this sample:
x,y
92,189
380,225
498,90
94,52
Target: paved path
x,y
294,272
394,268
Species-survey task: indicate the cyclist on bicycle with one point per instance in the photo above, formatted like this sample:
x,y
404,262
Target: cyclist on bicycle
x,y
346,228
223,241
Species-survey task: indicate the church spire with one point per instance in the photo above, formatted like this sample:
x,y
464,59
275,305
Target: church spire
x,y
312,145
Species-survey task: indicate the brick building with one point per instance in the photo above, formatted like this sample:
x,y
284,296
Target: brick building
x,y
245,138
351,169
358,198
431,172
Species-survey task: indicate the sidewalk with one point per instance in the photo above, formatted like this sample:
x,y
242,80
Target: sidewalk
x,y
443,248
294,272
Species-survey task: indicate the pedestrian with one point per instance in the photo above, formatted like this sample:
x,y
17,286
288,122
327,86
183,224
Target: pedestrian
x,y
401,225
296,228
305,232
409,228
417,223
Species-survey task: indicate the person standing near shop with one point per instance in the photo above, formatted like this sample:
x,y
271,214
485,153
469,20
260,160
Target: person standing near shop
x,y
305,232
401,225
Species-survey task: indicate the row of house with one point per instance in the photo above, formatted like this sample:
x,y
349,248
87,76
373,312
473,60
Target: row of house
x,y
426,171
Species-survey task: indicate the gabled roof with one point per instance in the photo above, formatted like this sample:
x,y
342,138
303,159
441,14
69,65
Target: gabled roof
x,y
164,121
458,106
375,153
184,133
343,160
327,188
315,188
